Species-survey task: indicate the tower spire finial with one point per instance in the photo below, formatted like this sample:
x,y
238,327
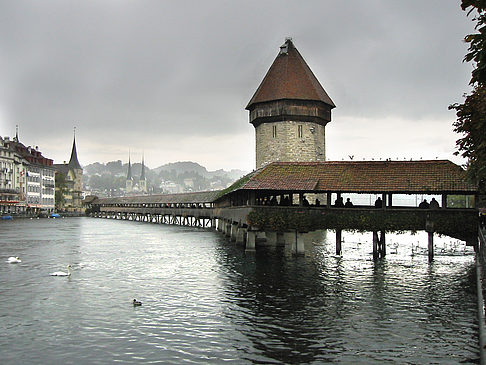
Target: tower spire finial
x,y
129,173
73,161
142,174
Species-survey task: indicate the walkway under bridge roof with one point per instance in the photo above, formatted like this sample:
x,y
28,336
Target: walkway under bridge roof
x,y
182,198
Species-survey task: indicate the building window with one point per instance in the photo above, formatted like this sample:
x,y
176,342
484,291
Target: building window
x,y
274,129
300,131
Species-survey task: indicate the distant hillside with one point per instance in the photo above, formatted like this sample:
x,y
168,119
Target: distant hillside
x,y
189,166
109,179
181,167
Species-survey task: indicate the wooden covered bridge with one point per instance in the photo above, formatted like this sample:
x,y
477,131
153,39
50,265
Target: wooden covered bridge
x,y
277,204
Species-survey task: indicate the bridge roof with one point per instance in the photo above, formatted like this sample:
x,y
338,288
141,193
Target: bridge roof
x,y
183,198
407,177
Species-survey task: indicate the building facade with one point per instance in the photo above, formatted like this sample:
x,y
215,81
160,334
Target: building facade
x,y
12,187
69,184
27,178
290,110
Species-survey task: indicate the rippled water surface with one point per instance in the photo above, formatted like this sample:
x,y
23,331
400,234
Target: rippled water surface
x,y
207,301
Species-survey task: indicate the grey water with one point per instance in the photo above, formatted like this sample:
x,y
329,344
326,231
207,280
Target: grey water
x,y
206,300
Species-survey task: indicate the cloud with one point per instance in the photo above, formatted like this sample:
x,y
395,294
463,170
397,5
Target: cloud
x,y
131,73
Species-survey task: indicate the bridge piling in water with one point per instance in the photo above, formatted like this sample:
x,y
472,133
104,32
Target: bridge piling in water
x,y
430,246
339,241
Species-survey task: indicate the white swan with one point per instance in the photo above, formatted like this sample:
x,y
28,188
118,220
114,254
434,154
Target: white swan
x,y
62,273
14,260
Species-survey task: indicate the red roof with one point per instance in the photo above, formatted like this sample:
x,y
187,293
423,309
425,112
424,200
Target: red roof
x,y
289,77
435,176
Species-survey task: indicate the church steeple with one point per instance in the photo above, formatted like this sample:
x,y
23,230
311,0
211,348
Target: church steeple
x,y
129,182
73,161
142,175
142,183
129,173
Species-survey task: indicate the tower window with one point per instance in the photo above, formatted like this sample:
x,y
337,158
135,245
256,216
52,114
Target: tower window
x,y
300,131
274,130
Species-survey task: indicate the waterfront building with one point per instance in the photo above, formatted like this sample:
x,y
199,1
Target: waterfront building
x,y
32,177
290,110
11,194
69,178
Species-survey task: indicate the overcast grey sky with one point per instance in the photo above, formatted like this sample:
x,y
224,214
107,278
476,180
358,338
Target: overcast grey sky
x,y
171,79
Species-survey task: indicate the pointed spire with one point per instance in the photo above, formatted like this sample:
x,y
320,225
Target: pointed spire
x,y
73,161
142,175
129,174
289,77
16,133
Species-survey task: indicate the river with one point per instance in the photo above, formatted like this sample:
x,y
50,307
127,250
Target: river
x,y
206,300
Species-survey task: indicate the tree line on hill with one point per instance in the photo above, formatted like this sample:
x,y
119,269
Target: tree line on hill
x,y
110,179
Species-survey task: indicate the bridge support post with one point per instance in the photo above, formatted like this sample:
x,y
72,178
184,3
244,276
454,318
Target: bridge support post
x,y
375,245
233,229
299,243
227,229
382,245
288,238
339,242
240,235
250,240
431,246
271,238
429,227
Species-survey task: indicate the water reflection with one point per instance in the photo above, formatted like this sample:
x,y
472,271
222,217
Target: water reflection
x,y
320,308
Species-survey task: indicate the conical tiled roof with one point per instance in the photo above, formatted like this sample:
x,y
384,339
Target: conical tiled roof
x,y
73,161
290,77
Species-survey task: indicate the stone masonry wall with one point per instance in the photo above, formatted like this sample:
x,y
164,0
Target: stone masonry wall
x,y
287,146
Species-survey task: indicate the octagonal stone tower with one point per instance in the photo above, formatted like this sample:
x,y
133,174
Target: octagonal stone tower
x,y
289,111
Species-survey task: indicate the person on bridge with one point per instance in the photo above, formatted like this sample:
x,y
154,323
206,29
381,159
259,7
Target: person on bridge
x,y
434,204
424,205
378,203
339,202
349,203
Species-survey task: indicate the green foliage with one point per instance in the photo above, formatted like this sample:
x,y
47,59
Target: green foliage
x,y
457,224
471,115
471,123
477,41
